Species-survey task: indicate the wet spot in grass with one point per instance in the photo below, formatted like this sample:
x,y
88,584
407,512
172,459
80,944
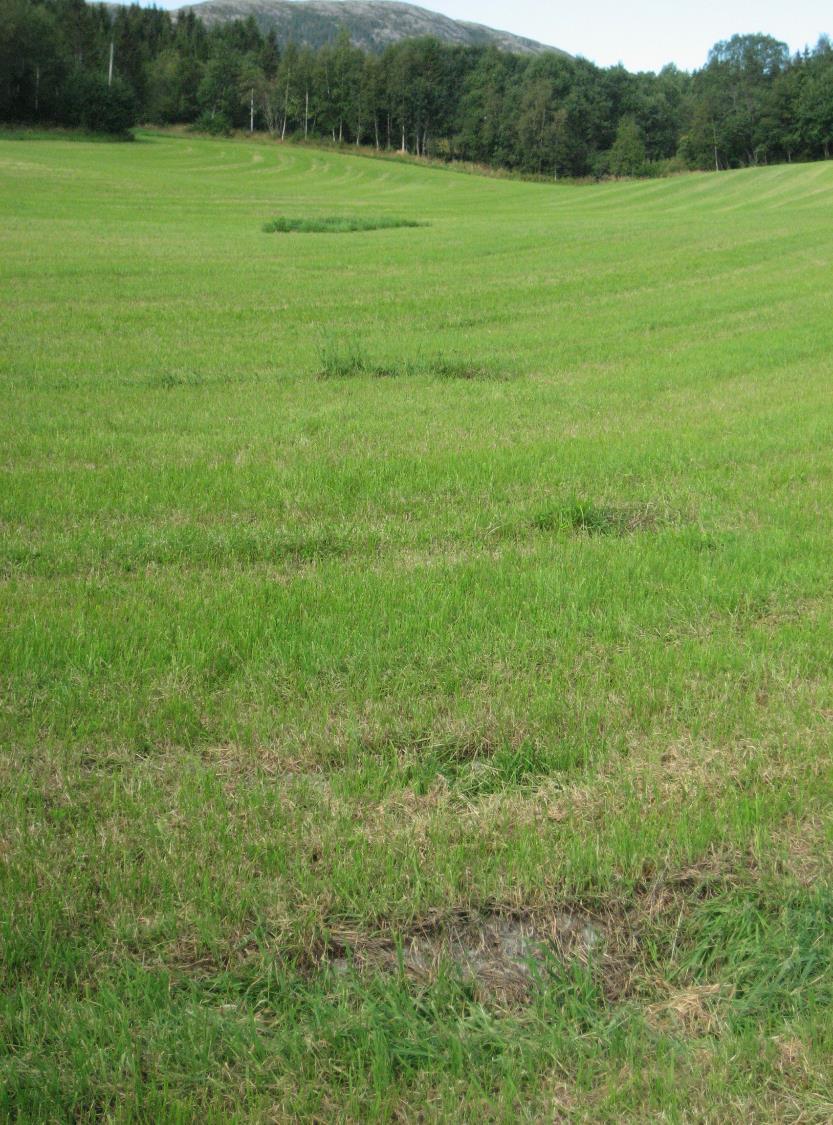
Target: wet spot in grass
x,y
508,954
336,224
500,955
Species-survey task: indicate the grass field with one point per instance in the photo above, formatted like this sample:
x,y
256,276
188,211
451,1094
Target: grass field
x,y
416,642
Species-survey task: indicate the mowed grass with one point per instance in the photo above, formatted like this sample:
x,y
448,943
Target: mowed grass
x,y
306,683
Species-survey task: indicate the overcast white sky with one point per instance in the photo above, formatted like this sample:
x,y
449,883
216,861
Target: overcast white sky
x,y
642,34
646,34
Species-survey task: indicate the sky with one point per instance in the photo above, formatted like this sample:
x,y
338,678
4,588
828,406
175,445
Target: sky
x,y
642,34
646,34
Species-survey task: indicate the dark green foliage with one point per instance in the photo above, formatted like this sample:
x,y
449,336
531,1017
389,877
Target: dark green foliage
x,y
94,105
745,105
627,157
215,124
336,224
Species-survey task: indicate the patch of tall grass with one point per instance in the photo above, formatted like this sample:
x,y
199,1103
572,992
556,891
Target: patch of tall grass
x,y
337,224
341,359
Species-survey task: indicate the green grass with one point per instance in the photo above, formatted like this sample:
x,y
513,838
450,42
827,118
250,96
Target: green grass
x,y
336,224
301,675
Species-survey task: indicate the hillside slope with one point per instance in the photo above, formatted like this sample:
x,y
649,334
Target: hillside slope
x,y
415,643
372,24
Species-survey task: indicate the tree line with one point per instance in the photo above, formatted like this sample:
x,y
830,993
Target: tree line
x,y
70,63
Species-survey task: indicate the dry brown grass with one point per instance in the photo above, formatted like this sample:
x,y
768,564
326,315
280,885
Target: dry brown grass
x,y
694,1011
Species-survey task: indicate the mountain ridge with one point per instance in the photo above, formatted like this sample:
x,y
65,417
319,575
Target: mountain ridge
x,y
371,24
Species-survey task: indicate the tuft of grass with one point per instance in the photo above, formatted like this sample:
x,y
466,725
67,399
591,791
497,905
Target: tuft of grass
x,y
337,224
345,359
476,771
588,518
169,380
442,368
